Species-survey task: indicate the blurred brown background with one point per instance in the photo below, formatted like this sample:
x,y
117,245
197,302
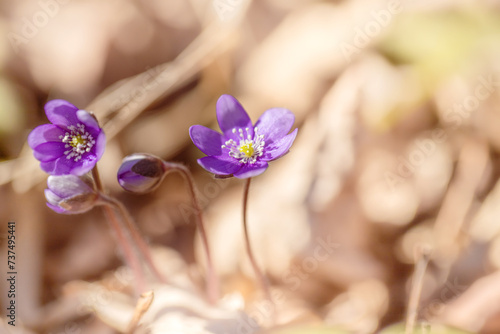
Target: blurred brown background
x,y
398,109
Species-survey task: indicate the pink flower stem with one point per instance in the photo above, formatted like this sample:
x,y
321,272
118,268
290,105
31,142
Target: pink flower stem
x,y
136,234
260,276
212,281
130,258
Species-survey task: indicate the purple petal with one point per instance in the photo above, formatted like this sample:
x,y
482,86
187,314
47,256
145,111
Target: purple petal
x,y
84,166
48,167
100,145
275,123
251,170
279,148
64,166
137,183
45,133
130,180
49,151
231,115
66,186
88,120
207,140
126,167
56,208
51,197
53,201
62,113
219,165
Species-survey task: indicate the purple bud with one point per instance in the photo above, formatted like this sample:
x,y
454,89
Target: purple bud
x,y
70,194
141,172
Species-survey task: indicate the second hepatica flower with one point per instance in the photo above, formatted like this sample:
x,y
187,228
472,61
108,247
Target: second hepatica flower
x,y
69,194
243,150
72,144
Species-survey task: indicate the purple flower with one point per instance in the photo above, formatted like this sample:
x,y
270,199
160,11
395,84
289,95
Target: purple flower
x,y
69,194
72,144
140,172
243,150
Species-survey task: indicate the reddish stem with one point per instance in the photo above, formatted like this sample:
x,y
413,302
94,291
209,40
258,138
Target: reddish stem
x,y
260,276
136,234
212,280
130,258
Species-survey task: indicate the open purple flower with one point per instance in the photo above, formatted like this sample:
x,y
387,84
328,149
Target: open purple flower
x,y
72,144
69,194
243,150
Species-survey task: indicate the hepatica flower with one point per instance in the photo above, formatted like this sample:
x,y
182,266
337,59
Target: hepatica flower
x,y
141,172
68,194
243,150
72,144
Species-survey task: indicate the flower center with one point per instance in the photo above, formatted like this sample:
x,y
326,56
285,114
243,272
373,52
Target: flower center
x,y
78,142
248,149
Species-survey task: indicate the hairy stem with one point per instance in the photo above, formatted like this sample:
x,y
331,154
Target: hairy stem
x,y
135,233
130,258
212,280
256,269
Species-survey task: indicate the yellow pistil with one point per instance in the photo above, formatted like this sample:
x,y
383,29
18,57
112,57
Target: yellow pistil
x,y
77,140
247,149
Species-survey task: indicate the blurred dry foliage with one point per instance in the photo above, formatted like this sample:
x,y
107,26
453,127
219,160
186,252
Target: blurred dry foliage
x,y
397,104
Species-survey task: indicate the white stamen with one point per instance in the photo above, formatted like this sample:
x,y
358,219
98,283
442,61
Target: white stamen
x,y
245,145
78,141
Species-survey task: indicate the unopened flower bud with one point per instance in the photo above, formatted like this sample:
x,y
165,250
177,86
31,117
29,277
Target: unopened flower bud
x,y
70,194
141,173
